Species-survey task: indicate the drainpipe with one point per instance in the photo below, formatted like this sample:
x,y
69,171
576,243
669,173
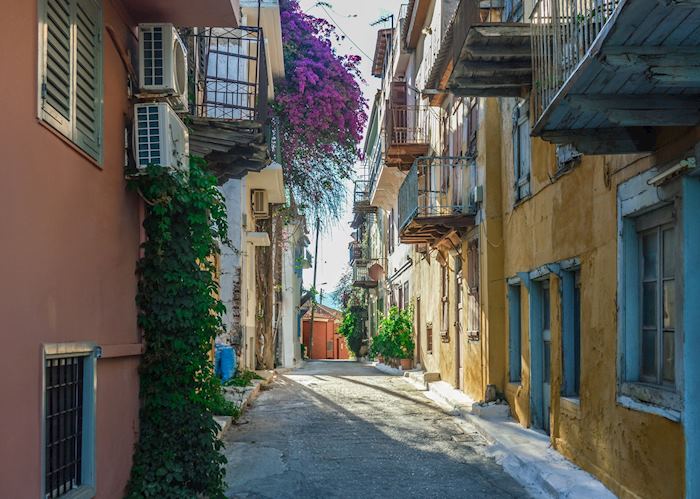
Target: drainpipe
x,y
313,297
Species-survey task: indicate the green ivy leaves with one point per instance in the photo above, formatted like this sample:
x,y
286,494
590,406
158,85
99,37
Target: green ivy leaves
x,y
177,455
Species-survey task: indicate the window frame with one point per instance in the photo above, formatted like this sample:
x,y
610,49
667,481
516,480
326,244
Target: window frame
x,y
637,198
515,374
90,352
570,279
521,176
67,127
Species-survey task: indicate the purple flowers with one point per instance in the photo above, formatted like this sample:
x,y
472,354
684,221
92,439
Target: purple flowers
x,y
321,110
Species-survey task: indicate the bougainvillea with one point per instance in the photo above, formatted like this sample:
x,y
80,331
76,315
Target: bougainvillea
x,y
321,112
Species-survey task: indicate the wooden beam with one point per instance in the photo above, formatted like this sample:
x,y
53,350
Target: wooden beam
x,y
478,65
636,62
619,140
482,50
469,91
646,50
603,102
504,79
656,117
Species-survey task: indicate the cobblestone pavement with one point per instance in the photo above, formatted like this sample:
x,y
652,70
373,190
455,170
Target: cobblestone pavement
x,y
346,430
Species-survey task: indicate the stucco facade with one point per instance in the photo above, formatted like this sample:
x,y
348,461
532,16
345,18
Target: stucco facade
x,y
73,234
538,298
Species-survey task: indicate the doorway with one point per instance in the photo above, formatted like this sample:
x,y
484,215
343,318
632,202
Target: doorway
x,y
541,351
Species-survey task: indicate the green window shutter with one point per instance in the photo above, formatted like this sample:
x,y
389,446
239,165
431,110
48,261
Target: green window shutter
x,y
56,79
88,49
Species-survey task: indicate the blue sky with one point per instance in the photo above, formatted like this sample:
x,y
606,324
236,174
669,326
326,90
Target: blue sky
x,y
353,19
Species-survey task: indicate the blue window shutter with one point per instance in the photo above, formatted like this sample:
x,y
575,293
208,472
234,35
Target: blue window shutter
x,y
56,101
88,49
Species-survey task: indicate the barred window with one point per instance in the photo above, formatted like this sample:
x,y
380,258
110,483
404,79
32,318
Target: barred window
x,y
68,419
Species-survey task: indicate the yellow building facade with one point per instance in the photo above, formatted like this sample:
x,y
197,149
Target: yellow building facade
x,y
550,227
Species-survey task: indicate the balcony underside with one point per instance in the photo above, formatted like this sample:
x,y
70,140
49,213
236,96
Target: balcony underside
x,y
402,156
365,284
363,207
427,230
231,148
495,61
642,72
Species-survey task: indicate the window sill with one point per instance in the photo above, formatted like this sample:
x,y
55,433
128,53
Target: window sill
x,y
571,406
83,492
522,200
626,398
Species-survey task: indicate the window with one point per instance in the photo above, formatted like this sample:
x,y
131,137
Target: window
x,y
514,332
567,156
429,335
651,303
392,223
69,419
473,303
400,303
444,299
571,333
521,150
70,79
406,298
513,11
657,285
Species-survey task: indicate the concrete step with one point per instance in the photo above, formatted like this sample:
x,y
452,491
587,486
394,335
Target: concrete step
x,y
422,379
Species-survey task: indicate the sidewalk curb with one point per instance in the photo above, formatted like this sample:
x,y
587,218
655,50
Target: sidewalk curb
x,y
249,394
524,454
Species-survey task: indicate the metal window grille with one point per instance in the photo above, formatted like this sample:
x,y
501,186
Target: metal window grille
x,y
64,424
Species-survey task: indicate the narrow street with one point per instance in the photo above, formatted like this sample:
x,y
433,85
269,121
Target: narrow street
x,y
344,429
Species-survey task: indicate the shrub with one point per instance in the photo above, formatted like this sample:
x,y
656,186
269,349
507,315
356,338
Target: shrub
x,y
395,336
351,329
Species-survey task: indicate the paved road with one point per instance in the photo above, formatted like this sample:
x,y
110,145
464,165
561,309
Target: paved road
x,y
346,430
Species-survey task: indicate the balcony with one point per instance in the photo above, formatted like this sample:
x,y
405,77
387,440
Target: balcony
x,y
407,130
434,199
364,273
228,100
608,74
484,53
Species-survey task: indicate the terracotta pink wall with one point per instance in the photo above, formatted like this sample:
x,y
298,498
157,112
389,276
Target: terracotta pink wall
x,y
70,237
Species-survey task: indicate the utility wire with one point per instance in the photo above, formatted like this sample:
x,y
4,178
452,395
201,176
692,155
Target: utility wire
x,y
343,32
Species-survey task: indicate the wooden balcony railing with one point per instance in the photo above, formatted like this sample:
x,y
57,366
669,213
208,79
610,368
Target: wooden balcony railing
x,y
361,275
436,195
407,125
563,31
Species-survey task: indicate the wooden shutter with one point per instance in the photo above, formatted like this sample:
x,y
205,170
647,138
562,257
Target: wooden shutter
x,y
56,79
87,76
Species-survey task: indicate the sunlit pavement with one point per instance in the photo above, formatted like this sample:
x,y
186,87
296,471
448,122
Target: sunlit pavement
x,y
344,429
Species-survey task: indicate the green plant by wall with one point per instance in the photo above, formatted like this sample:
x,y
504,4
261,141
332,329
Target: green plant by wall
x,y
352,330
394,338
177,455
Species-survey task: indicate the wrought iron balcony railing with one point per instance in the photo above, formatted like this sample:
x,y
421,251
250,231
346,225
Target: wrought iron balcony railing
x,y
562,34
228,74
436,195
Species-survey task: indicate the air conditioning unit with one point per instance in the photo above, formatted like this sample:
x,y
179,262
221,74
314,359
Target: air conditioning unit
x,y
163,63
259,204
160,137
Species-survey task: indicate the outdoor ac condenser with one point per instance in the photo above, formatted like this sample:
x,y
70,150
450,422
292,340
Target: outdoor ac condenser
x,y
160,137
259,203
163,63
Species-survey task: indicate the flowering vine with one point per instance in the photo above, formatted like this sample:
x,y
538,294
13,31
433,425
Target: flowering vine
x,y
321,112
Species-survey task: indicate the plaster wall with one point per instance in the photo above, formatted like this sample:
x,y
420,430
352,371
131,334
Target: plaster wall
x,y
636,454
231,261
71,241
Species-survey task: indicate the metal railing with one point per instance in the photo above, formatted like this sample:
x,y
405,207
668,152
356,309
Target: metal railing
x,y
407,125
437,186
360,271
229,74
362,192
563,31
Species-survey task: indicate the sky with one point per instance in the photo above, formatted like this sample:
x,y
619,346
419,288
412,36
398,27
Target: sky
x,y
352,19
